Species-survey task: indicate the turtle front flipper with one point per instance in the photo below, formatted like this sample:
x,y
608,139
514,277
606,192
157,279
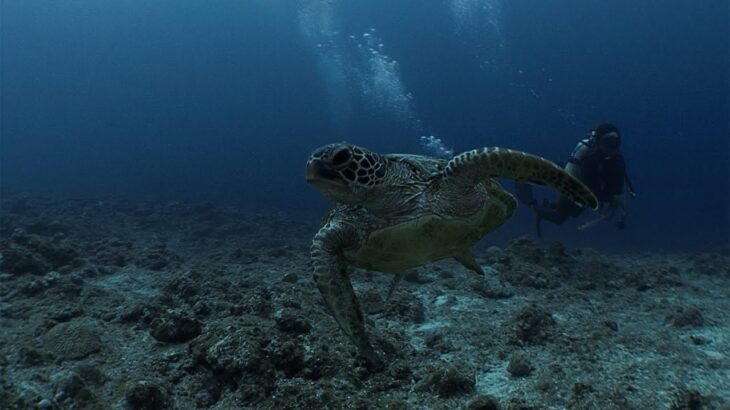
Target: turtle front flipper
x,y
334,284
474,166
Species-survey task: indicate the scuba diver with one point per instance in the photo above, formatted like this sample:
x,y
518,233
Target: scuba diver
x,y
596,161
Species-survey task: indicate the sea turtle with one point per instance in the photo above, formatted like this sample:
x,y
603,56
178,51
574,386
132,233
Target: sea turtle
x,y
397,211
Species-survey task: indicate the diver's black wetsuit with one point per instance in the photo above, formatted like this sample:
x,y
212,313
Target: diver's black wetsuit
x,y
604,175
598,163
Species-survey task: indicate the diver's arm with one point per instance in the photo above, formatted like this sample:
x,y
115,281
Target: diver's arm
x,y
627,181
629,185
620,201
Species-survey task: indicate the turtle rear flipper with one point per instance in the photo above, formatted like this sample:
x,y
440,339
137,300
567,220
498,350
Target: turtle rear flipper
x,y
397,278
467,259
474,166
330,275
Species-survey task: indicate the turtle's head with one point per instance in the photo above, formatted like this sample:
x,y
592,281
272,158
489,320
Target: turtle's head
x,y
344,172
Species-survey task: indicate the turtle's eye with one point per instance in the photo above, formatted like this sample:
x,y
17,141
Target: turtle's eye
x,y
341,157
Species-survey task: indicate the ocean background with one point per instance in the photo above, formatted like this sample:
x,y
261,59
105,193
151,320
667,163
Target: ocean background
x,y
223,101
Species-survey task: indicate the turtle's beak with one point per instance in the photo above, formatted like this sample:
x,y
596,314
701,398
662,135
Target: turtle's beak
x,y
310,174
325,180
315,171
318,172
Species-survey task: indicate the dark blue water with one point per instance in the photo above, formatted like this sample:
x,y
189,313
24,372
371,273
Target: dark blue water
x,y
223,101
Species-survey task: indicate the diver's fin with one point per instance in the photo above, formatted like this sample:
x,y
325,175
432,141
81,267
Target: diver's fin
x,y
538,225
394,284
467,259
524,193
592,222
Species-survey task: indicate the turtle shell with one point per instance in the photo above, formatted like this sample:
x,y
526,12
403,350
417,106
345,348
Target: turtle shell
x,y
428,238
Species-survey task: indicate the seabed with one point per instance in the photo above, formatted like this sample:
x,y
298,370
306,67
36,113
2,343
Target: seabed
x,y
112,304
